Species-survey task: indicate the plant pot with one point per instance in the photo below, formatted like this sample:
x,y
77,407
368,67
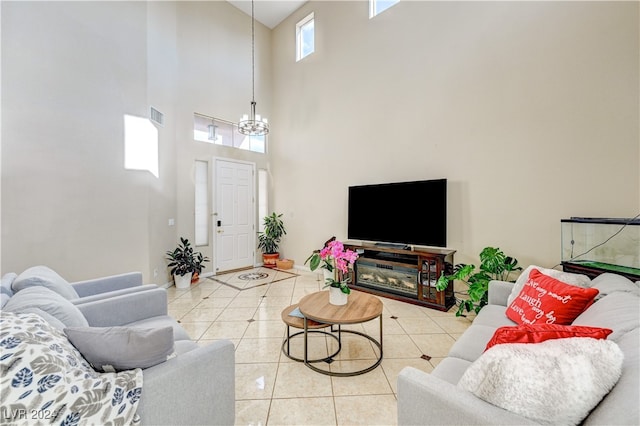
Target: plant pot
x,y
195,277
284,264
182,281
337,297
269,259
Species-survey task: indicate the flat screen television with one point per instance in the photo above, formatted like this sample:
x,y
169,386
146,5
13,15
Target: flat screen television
x,y
399,213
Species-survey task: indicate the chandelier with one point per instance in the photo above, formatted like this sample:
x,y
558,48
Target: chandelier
x,y
253,124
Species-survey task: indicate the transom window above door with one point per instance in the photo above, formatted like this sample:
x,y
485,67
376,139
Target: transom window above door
x,y
223,132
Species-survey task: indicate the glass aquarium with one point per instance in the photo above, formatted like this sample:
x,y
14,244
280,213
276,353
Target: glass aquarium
x,y
592,246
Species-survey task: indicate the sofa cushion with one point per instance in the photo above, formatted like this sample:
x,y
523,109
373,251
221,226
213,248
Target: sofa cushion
x,y
472,343
620,406
618,311
122,348
44,277
44,375
536,333
578,280
493,316
554,382
7,281
451,369
49,302
544,299
610,283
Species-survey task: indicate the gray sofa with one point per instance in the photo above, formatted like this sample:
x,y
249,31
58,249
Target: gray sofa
x,y
195,385
437,399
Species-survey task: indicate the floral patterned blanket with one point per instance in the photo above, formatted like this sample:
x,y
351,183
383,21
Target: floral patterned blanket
x,y
45,380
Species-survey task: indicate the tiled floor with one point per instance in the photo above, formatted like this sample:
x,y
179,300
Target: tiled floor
x,y
271,389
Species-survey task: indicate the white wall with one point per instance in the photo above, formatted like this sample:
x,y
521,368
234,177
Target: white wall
x,y
529,109
70,71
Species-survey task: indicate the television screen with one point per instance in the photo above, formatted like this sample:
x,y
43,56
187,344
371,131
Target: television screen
x,y
401,213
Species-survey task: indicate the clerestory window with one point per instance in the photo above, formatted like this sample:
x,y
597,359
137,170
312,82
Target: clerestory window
x,y
378,6
305,37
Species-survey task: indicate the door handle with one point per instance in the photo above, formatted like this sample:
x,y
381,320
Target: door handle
x,y
220,231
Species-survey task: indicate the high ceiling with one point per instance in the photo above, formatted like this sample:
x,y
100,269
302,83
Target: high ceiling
x,y
269,12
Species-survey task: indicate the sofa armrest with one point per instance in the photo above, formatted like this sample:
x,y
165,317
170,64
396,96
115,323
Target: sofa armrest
x,y
106,284
195,388
499,292
125,309
424,399
115,293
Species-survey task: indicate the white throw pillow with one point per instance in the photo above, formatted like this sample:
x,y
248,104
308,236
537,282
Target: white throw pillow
x,y
566,277
554,382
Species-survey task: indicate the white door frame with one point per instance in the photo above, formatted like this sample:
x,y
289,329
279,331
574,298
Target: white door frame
x,y
214,208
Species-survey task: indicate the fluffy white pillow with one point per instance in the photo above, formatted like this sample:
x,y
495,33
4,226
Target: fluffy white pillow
x,y
566,277
554,382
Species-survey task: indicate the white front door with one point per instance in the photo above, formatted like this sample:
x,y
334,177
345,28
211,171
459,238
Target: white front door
x,y
234,213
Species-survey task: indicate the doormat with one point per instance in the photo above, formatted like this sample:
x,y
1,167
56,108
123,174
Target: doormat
x,y
252,278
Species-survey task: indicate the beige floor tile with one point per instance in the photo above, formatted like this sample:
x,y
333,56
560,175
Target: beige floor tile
x,y
255,381
372,383
226,330
353,347
366,410
435,361
215,302
453,324
402,309
422,325
195,330
237,314
199,314
276,301
225,291
400,346
242,301
392,368
265,329
264,313
433,345
389,326
252,412
205,342
258,350
177,313
297,380
302,411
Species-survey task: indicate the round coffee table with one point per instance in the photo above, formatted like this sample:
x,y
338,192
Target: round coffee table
x,y
361,307
312,327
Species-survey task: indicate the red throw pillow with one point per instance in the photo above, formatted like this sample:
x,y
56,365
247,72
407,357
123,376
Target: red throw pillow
x,y
537,333
545,300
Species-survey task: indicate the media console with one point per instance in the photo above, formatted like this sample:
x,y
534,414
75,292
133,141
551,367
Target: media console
x,y
409,274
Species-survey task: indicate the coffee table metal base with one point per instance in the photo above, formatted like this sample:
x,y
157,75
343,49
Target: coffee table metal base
x,y
329,359
286,347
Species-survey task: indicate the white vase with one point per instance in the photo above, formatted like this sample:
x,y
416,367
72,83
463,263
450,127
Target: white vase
x,y
183,281
337,297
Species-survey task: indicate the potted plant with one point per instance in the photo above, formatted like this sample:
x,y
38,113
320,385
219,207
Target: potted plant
x,y
494,265
184,262
269,239
337,263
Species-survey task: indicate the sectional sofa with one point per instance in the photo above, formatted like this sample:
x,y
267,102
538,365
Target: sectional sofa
x,y
445,397
75,350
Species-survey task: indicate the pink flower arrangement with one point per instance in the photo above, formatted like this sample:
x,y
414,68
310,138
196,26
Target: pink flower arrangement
x,y
335,259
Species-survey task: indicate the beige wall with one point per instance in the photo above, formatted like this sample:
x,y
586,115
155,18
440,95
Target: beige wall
x,y
529,109
538,101
70,70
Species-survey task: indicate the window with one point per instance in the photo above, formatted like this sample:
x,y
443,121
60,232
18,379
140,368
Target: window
x,y
202,203
140,144
225,133
263,197
305,36
378,6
